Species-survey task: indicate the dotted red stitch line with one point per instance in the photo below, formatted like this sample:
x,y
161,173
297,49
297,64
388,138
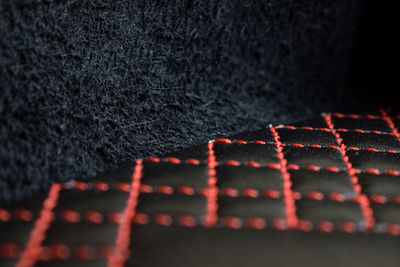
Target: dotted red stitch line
x,y
33,247
59,251
256,193
92,216
226,191
122,241
173,160
312,167
390,123
363,200
98,185
355,116
256,223
87,252
309,128
290,205
212,192
19,214
371,149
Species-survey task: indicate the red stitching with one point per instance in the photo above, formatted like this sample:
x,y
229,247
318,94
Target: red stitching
x,y
33,247
363,200
172,160
390,123
290,127
4,215
70,216
9,250
73,216
122,241
291,217
256,223
23,215
59,251
212,194
307,167
197,162
222,140
355,116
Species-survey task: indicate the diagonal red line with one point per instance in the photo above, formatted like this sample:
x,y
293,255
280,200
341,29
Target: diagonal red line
x,y
212,194
33,248
362,199
122,241
290,205
390,122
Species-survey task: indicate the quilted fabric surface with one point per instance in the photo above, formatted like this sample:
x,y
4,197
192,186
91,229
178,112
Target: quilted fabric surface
x,y
324,192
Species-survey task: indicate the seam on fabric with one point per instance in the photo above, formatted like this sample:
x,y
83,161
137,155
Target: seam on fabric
x,y
122,242
363,200
30,255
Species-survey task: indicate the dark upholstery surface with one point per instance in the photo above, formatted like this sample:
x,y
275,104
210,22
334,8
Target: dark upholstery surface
x,y
323,192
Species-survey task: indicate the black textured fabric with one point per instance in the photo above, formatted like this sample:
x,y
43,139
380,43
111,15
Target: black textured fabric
x,y
89,85
169,227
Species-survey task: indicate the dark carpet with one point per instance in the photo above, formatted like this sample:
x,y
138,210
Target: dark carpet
x,y
87,86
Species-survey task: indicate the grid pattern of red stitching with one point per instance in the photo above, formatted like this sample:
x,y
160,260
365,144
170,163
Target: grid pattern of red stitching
x,y
34,250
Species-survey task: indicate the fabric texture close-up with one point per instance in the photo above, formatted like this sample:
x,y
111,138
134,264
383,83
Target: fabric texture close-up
x,y
87,86
322,192
199,133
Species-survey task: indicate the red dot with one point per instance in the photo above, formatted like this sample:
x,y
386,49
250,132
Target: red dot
x,y
188,221
325,226
232,222
9,250
84,252
152,159
24,215
173,160
257,223
94,216
193,161
223,140
101,186
70,216
4,215
60,251
163,219
232,163
250,193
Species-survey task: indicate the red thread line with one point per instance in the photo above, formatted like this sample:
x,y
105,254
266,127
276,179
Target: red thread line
x,y
290,206
390,123
347,148
256,223
355,116
226,191
59,251
307,167
363,200
33,248
229,141
122,242
73,216
173,160
86,252
62,251
212,194
242,142
291,127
